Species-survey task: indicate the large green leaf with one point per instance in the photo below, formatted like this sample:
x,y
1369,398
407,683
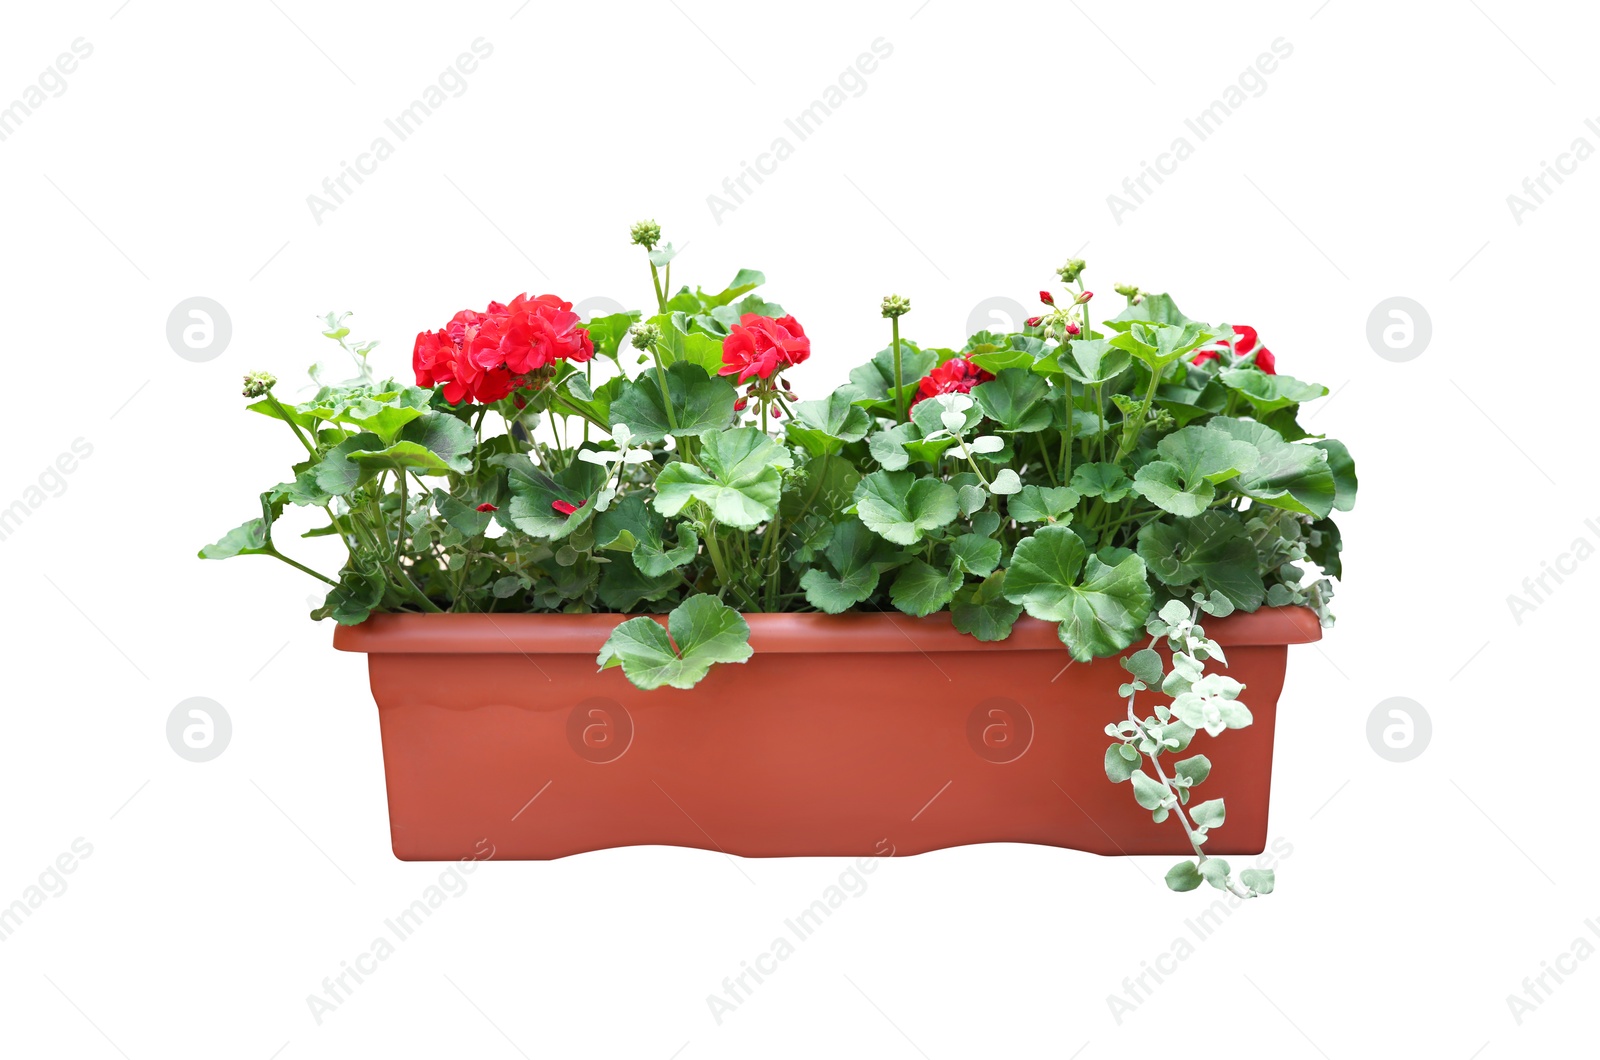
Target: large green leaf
x,y
1212,549
609,332
631,525
1156,308
1101,608
680,342
739,478
700,632
1106,481
594,401
534,493
822,427
1268,393
339,474
1287,475
464,517
900,507
1043,504
356,596
1159,345
921,589
1094,362
1016,399
1193,460
874,381
745,280
1343,467
252,538
436,443
701,403
623,586
855,555
982,609
975,554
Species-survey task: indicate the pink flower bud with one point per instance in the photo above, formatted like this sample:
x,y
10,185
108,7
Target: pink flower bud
x,y
1044,296
1033,322
1084,297
1072,329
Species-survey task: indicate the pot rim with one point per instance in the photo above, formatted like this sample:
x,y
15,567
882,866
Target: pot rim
x,y
784,633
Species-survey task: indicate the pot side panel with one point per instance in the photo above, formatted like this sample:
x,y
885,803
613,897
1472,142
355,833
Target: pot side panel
x,y
789,755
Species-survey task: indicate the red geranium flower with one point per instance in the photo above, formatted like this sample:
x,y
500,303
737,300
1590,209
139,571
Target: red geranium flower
x,y
540,331
487,507
955,376
483,357
566,508
760,346
1245,340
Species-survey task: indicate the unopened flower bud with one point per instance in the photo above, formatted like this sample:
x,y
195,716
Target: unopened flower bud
x,y
644,336
1071,328
646,234
1033,322
257,384
1070,272
741,404
1127,290
1046,298
777,413
896,306
1084,297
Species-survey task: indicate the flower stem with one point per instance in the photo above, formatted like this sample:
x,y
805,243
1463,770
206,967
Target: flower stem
x,y
655,280
899,384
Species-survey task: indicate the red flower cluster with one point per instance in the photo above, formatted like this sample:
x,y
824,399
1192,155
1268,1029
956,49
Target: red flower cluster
x,y
1244,341
760,346
955,376
485,356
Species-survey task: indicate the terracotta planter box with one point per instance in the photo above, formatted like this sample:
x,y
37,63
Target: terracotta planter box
x,y
848,735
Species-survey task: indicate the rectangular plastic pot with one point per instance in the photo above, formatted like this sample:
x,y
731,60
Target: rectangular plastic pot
x,y
842,735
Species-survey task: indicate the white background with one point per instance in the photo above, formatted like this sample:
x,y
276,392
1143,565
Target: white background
x,y
1376,163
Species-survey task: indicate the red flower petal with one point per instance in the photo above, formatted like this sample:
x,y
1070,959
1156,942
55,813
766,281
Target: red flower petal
x,y
487,507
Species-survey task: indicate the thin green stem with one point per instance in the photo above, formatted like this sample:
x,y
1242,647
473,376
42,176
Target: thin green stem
x,y
297,565
899,384
293,426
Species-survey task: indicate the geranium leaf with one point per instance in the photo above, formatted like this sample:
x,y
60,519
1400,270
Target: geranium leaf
x,y
534,493
920,589
1101,608
1042,504
739,477
1287,475
1107,481
1268,393
976,554
1016,399
1093,362
700,632
701,403
624,586
852,552
982,609
822,427
900,507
